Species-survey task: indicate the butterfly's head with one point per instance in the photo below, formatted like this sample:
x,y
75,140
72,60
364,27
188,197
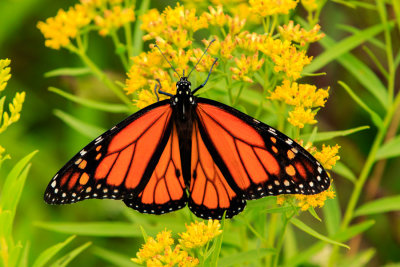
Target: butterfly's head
x,y
183,86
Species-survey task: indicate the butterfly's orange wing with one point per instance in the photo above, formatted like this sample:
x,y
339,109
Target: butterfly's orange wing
x,y
133,160
251,160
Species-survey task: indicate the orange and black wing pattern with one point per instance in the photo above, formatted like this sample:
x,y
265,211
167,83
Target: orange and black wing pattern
x,y
251,159
120,163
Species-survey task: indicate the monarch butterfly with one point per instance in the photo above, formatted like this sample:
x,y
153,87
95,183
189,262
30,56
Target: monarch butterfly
x,y
188,150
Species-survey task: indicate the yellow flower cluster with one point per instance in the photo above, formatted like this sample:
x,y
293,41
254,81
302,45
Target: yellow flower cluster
x,y
198,234
327,157
310,5
114,18
299,35
246,65
15,107
158,252
304,97
65,26
270,7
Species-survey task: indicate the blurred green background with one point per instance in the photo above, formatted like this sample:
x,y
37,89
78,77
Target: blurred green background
x,y
40,129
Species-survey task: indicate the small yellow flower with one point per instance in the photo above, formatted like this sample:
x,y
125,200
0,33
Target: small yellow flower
x,y
249,41
285,56
301,116
295,94
216,17
114,18
59,30
178,37
270,7
328,156
181,17
205,63
224,48
294,33
244,11
317,200
244,65
199,233
153,23
4,73
235,24
152,247
310,5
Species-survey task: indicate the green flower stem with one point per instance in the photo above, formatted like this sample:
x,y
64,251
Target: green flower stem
x,y
128,38
389,50
103,77
271,236
281,238
274,21
236,101
118,45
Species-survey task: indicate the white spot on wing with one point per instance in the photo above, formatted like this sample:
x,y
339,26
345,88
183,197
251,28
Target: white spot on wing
x,y
83,152
53,184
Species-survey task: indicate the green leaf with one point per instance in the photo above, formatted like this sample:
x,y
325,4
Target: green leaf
x,y
390,149
374,116
332,215
343,46
67,72
109,229
66,259
23,260
344,171
14,184
113,108
239,259
46,255
343,236
361,72
81,127
114,258
354,30
302,226
382,205
359,260
217,245
323,136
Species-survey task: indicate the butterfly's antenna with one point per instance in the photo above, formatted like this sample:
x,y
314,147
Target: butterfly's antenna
x,y
212,41
166,59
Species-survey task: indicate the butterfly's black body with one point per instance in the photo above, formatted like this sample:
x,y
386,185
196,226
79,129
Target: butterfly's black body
x,y
309,177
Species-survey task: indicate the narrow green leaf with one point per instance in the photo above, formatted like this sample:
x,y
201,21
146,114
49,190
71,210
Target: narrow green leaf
x,y
239,259
279,209
344,171
217,245
302,226
360,71
323,136
355,4
350,232
313,213
354,30
23,261
67,72
114,258
359,260
290,248
113,108
66,259
374,116
81,127
113,229
382,205
46,255
332,215
391,149
343,46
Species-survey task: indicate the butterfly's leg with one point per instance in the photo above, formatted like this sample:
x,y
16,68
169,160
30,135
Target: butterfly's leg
x,y
209,73
159,90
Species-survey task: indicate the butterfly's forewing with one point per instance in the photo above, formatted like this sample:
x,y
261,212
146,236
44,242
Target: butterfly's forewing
x,y
165,191
117,164
255,159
